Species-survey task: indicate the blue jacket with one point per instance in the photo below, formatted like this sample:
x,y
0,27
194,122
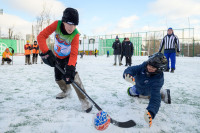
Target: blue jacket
x,y
147,85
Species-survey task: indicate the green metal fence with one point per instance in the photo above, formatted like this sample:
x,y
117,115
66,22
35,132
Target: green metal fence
x,y
106,45
17,45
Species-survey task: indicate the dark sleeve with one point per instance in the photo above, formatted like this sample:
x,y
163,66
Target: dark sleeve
x,y
155,99
134,70
113,46
132,48
162,44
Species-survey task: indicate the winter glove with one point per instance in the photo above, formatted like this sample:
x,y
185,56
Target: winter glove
x,y
48,58
148,117
69,74
130,79
13,51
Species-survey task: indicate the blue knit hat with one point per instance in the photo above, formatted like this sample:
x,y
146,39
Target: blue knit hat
x,y
117,37
170,28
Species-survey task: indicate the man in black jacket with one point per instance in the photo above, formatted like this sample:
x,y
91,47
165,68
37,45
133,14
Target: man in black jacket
x,y
128,51
117,50
123,50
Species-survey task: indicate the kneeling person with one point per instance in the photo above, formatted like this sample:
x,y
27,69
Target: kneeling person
x,y
6,56
66,51
148,80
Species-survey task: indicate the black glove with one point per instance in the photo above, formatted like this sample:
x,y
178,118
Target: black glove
x,y
48,58
13,51
69,74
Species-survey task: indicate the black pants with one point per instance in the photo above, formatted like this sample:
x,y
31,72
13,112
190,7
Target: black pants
x,y
62,63
122,57
128,60
6,59
35,55
95,54
28,56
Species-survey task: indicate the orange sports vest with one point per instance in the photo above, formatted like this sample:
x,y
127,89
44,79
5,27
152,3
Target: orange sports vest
x,y
6,55
35,51
27,50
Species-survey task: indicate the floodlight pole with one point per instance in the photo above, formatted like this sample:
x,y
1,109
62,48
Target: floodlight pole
x,y
1,13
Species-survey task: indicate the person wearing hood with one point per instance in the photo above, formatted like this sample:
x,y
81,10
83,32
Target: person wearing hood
x,y
128,51
170,42
117,51
6,56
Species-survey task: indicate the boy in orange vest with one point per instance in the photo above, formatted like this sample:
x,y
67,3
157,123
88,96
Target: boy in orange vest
x,y
27,48
6,56
35,52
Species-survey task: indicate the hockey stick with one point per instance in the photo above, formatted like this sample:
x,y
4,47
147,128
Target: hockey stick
x,y
126,124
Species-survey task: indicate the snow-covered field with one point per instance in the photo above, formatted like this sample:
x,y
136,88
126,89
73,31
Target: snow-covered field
x,y
28,104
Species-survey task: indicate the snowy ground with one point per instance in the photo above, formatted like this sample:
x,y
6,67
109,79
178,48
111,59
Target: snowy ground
x,y
28,104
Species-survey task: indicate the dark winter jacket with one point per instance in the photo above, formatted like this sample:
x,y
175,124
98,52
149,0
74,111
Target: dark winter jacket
x,y
147,85
117,48
123,48
128,49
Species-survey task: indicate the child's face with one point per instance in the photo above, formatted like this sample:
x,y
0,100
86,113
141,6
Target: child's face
x,y
69,28
151,69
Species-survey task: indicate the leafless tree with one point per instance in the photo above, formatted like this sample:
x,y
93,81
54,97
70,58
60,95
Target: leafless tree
x,y
10,32
43,20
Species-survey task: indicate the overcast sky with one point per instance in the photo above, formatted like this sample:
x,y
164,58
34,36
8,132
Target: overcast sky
x,y
105,16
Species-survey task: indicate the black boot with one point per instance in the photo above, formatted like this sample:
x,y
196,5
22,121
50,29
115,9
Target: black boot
x,y
172,70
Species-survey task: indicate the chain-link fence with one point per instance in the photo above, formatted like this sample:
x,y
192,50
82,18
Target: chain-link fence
x,y
145,43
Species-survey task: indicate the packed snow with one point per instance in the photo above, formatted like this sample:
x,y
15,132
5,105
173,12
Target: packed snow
x,y
28,103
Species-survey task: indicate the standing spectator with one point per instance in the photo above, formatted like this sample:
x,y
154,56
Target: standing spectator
x,y
128,51
6,56
170,42
27,48
35,51
117,50
123,50
95,52
108,53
